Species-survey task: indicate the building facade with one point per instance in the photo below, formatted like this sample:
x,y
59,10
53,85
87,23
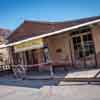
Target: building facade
x,y
71,43
4,52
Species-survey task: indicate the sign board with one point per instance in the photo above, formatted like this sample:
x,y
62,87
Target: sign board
x,y
28,45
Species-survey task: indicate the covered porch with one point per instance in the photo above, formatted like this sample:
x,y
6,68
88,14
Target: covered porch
x,y
37,59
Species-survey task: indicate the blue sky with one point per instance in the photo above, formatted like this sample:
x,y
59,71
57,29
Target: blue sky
x,y
14,12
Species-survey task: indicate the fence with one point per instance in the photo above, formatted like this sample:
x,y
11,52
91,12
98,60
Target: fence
x,y
5,69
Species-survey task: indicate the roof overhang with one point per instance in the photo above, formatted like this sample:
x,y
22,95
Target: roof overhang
x,y
52,33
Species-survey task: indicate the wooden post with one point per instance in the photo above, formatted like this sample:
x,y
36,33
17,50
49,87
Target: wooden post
x,y
51,71
12,56
71,52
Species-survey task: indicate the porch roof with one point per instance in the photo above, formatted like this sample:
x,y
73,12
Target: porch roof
x,y
33,29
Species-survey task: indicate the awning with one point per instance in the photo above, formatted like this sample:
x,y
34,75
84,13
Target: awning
x,y
28,45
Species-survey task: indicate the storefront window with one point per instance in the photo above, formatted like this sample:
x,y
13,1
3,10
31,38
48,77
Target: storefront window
x,y
83,44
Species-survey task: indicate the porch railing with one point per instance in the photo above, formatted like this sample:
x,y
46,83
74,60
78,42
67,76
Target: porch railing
x,y
5,69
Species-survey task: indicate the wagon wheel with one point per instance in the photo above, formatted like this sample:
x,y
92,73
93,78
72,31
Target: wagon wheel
x,y
19,71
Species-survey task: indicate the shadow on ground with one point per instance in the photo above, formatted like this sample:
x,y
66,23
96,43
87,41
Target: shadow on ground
x,y
9,80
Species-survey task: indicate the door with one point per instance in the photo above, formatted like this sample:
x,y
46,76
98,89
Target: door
x,y
84,51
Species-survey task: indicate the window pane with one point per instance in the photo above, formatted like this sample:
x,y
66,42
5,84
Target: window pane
x,y
89,37
87,53
85,38
74,40
75,47
78,39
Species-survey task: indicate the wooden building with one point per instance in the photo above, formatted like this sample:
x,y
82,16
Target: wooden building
x,y
73,43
